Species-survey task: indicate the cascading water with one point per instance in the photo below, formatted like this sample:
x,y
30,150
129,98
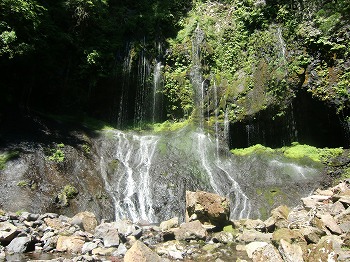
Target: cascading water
x,y
282,44
122,112
147,175
129,181
157,87
215,168
143,90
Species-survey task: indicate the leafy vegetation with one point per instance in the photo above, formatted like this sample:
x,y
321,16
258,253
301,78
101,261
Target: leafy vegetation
x,y
57,155
88,56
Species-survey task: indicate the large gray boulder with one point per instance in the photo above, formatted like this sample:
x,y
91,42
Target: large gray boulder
x,y
7,232
19,245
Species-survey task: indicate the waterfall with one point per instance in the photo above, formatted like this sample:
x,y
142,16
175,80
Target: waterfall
x,y
129,184
219,174
226,126
282,45
221,177
196,74
122,112
157,87
142,94
216,113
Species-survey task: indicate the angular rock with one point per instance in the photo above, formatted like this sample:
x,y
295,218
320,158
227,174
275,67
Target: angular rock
x,y
72,244
253,236
298,218
253,246
291,236
222,237
314,201
7,232
278,218
191,231
256,224
290,252
88,247
19,245
56,223
103,251
139,252
121,250
331,224
266,253
312,234
88,221
111,238
208,208
337,208
323,251
171,223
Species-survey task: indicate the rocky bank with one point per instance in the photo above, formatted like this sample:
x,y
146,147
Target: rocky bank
x,y
316,230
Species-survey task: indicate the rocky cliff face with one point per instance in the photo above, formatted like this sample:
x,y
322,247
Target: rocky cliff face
x,y
143,177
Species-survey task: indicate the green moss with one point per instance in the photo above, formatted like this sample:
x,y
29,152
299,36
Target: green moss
x,y
169,126
229,229
6,157
316,154
258,148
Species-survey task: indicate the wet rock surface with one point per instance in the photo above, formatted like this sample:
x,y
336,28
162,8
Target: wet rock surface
x,y
303,233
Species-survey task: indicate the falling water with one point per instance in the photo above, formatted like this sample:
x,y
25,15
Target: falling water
x,y
131,192
157,87
196,73
226,126
217,171
282,45
122,112
142,94
216,113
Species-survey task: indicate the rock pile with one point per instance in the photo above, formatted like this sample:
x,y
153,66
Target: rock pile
x,y
317,230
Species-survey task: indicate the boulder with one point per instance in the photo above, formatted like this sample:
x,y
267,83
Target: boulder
x,y
139,252
72,244
104,251
208,208
171,223
7,232
312,234
19,245
191,231
222,237
88,221
290,252
266,253
111,238
278,218
253,246
331,224
88,247
323,251
252,235
56,223
291,236
256,224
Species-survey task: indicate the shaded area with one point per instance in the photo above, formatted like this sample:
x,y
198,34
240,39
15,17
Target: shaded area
x,y
306,121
